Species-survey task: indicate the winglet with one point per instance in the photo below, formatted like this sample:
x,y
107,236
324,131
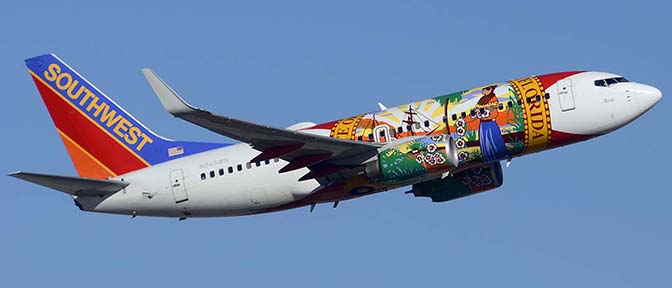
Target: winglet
x,y
172,102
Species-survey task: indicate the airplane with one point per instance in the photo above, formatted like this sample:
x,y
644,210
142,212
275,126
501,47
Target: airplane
x,y
444,148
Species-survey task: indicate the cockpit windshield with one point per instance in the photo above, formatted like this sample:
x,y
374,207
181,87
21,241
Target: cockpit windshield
x,y
610,81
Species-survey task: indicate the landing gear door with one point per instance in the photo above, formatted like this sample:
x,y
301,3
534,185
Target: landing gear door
x,y
177,186
566,95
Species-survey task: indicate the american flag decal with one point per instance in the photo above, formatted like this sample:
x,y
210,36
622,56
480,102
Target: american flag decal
x,y
179,150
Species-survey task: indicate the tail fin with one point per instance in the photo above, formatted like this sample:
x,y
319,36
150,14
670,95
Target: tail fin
x,y
103,140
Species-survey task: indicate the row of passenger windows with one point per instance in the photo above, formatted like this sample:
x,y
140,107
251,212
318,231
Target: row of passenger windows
x,y
500,106
236,168
473,113
610,81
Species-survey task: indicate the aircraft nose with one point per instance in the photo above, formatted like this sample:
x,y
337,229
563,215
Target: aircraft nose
x,y
647,96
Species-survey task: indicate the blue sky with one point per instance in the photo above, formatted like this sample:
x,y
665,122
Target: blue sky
x,y
593,214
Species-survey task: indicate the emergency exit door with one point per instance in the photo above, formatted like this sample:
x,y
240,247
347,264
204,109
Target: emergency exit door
x,y
177,186
566,95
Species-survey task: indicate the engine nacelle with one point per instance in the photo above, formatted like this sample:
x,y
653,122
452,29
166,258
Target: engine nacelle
x,y
411,158
464,183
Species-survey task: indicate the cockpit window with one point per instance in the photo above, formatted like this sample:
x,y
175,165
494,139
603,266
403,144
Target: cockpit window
x,y
610,81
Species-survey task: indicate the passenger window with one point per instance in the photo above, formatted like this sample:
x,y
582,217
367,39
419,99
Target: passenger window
x,y
509,104
500,106
276,160
417,125
267,162
538,98
371,137
221,171
257,163
202,176
547,96
408,127
400,129
212,174
454,117
482,110
464,115
444,119
529,100
520,102
426,123
382,133
360,138
239,167
248,165
230,169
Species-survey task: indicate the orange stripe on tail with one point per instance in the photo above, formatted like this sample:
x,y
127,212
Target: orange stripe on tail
x,y
85,163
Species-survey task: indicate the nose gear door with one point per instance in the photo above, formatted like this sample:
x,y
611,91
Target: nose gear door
x,y
565,95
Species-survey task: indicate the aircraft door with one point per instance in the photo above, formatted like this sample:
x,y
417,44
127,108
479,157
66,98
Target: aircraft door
x,y
565,95
177,186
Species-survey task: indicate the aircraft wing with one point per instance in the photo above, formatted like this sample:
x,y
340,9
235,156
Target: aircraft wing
x,y
76,186
300,149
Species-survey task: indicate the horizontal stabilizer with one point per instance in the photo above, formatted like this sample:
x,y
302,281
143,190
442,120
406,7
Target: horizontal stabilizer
x,y
73,185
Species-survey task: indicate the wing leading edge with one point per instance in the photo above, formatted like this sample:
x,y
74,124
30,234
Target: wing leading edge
x,y
300,149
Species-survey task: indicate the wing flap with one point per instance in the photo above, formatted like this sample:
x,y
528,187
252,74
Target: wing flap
x,y
73,185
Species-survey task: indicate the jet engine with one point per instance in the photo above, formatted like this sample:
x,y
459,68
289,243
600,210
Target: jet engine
x,y
413,157
461,184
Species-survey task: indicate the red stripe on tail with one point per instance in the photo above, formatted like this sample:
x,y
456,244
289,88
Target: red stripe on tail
x,y
89,136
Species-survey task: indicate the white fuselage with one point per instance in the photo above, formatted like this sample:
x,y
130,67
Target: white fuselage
x,y
222,182
247,191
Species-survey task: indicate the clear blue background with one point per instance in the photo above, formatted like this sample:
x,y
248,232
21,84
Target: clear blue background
x,y
593,214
